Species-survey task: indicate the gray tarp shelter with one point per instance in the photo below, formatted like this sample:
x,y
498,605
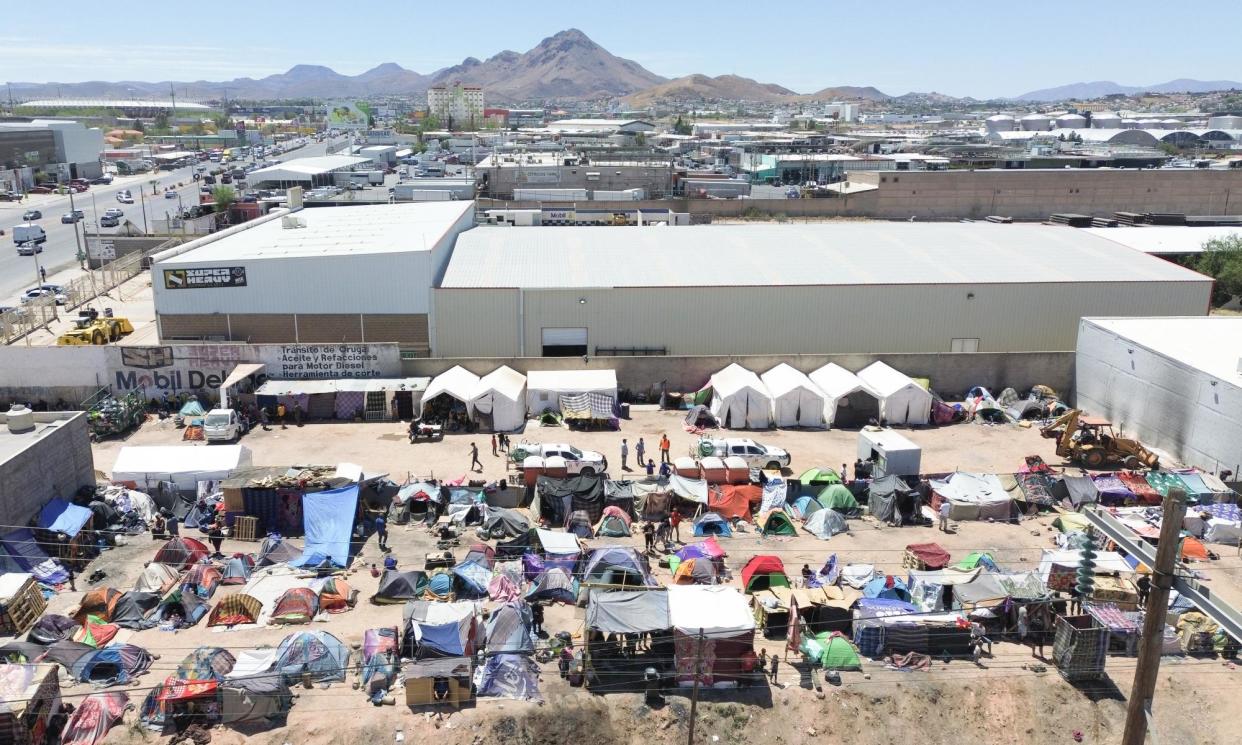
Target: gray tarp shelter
x,y
884,495
628,611
1079,490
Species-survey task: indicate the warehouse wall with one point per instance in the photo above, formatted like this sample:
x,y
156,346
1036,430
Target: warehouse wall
x,y
791,320
408,329
1167,404
56,464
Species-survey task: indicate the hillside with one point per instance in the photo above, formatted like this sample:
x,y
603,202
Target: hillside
x,y
1101,88
705,88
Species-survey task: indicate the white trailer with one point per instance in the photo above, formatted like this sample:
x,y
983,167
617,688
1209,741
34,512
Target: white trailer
x,y
890,452
550,195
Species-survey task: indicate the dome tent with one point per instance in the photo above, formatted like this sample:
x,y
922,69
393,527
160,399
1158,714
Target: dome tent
x,y
825,524
838,497
614,523
316,652
709,523
776,522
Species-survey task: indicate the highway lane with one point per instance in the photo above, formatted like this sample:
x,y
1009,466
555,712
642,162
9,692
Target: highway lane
x,y
17,273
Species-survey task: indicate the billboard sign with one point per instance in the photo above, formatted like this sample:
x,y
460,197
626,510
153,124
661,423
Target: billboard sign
x,y
203,278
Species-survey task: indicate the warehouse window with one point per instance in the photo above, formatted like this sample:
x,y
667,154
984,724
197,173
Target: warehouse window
x,y
964,346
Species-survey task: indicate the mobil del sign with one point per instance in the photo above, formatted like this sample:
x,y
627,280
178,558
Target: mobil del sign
x,y
204,277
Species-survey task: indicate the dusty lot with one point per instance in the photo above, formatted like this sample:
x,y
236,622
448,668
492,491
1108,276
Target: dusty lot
x,y
954,702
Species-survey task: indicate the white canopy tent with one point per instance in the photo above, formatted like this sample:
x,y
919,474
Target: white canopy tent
x,y
544,388
740,400
184,465
847,400
501,394
902,401
796,400
457,382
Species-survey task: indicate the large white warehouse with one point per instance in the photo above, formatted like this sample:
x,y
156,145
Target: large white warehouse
x,y
1174,383
785,289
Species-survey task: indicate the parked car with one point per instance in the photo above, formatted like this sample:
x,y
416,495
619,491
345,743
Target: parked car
x,y
223,425
71,217
29,215
29,248
585,462
35,293
40,190
8,196
755,454
104,179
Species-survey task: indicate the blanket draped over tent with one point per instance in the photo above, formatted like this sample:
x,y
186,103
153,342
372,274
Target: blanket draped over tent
x,y
329,523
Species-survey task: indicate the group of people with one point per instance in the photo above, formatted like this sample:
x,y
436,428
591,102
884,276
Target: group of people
x,y
640,456
663,531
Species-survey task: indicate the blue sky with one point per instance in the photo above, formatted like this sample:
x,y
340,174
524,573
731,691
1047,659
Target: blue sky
x,y
957,47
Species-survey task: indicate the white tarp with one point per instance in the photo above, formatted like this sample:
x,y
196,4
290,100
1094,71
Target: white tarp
x,y
715,610
252,662
837,384
694,490
184,465
902,401
544,388
268,584
502,394
559,543
457,382
1105,562
740,400
974,496
796,400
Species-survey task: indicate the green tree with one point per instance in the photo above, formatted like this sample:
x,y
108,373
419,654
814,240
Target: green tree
x,y
1222,260
138,126
161,120
680,126
224,197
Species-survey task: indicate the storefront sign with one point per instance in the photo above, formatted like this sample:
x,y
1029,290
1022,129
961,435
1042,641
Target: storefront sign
x,y
192,279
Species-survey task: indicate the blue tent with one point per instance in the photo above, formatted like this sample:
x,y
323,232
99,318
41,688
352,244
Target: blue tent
x,y
471,579
709,523
115,663
328,519
880,588
58,516
805,506
436,629
317,652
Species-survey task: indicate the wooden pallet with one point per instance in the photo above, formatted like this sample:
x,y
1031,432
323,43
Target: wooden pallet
x,y
910,561
21,611
246,528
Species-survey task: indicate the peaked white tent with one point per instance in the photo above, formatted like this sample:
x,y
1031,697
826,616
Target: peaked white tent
x,y
740,400
183,465
902,401
796,401
847,400
501,395
457,382
544,388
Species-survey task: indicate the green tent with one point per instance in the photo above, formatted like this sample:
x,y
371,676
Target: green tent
x,y
830,651
973,560
838,497
820,477
776,522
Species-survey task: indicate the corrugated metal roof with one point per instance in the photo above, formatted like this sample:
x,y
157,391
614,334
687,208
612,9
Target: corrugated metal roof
x,y
301,169
875,253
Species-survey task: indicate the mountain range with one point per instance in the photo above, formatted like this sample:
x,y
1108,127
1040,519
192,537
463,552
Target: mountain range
x,y
1101,88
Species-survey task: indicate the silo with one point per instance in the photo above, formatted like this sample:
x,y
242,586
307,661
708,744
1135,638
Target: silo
x,y
1105,120
1071,121
1035,123
1000,123
1225,121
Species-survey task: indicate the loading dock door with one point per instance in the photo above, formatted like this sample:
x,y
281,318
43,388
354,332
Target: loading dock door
x,y
564,342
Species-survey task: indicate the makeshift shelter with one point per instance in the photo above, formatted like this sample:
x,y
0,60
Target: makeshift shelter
x,y
544,388
133,609
156,578
902,400
626,612
180,552
887,587
838,497
52,628
456,383
579,523
973,496
59,516
763,571
709,549
848,402
146,466
1112,490
471,579
796,400
734,500
1076,490
318,653
398,587
251,698
891,500
508,630
825,523
713,633
776,522
21,548
589,407
614,524
297,605
182,608
617,566
237,571
439,629
93,717
329,522
696,571
927,556
709,523
112,665
740,400
379,662
504,523
276,550
514,676
830,650
202,580
553,585
453,674
235,609
95,632
100,602
29,698
499,400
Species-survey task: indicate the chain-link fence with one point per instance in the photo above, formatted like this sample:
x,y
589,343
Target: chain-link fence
x,y
38,312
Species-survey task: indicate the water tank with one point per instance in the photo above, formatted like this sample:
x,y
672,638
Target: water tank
x,y
1071,121
1105,120
20,419
1000,123
1036,123
1225,121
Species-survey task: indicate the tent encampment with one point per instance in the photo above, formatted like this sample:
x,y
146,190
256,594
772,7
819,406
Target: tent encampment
x,y
825,524
902,401
709,523
183,465
499,400
776,522
740,400
796,400
848,402
763,571
544,388
318,653
456,382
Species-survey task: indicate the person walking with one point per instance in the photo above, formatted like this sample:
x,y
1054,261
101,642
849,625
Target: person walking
x,y
536,619
264,419
216,535
475,465
280,415
381,530
674,521
43,273
776,663
494,453
664,446
945,508
625,454
640,448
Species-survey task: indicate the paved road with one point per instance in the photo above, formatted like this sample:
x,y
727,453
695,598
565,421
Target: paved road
x,y
17,273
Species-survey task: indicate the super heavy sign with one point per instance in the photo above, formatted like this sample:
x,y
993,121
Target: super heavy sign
x,y
218,276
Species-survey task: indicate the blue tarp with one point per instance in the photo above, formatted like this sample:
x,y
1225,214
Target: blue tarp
x,y
59,516
473,579
24,549
879,588
328,518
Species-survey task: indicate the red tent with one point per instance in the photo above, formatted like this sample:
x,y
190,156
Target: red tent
x,y
764,566
93,718
296,605
180,552
731,501
931,554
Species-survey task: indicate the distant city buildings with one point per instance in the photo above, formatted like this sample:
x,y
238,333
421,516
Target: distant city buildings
x,y
457,107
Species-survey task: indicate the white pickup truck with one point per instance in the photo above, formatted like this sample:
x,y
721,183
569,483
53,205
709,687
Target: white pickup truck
x,y
223,425
755,454
585,462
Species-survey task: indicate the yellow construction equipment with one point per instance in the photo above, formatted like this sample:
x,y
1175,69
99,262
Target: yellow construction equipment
x,y
89,328
1092,443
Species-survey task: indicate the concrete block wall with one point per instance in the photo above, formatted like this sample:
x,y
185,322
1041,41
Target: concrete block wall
x,y
56,464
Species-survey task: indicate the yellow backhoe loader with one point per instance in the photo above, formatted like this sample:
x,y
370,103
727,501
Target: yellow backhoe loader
x,y
89,328
1091,443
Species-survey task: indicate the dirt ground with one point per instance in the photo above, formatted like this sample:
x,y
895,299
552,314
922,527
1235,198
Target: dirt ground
x,y
1010,699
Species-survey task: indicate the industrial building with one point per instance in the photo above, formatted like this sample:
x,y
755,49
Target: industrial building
x,y
500,174
43,456
306,172
787,289
330,275
35,150
1173,383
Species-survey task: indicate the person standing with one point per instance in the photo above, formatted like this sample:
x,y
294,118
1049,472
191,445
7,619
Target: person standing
x,y
639,449
776,662
945,508
297,413
664,446
475,465
494,453
674,521
650,468
625,454
536,619
43,273
216,535
648,536
381,530
280,415
264,418
1144,589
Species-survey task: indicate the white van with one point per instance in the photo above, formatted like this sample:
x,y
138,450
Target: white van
x,y
222,425
28,232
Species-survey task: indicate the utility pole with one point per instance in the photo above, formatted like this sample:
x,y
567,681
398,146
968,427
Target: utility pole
x,y
694,693
1144,687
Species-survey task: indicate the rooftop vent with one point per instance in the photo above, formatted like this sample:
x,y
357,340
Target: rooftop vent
x,y
289,222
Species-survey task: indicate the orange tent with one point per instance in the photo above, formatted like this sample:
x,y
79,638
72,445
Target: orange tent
x,y
1193,549
336,596
100,602
731,501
